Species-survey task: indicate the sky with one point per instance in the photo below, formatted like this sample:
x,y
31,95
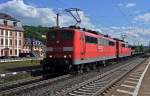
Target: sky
x,y
113,17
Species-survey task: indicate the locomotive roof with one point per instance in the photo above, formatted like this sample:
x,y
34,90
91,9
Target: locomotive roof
x,y
120,40
84,29
78,28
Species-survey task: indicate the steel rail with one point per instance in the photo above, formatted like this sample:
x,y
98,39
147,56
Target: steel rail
x,y
30,86
96,85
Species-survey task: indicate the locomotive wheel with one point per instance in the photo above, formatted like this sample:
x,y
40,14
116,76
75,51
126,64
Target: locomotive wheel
x,y
104,63
87,68
98,66
44,76
70,69
81,69
73,69
78,69
94,66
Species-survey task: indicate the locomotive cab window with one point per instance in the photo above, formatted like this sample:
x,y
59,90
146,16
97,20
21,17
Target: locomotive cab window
x,y
123,45
90,39
52,35
111,43
67,35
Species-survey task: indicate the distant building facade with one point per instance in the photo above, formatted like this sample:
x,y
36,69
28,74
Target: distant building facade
x,y
11,36
34,46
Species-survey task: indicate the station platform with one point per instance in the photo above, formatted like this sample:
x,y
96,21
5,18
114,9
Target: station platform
x,y
137,83
145,85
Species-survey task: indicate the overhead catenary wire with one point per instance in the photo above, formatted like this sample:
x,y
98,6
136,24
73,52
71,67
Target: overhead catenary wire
x,y
126,18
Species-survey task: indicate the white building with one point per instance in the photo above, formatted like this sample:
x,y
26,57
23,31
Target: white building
x,y
11,36
34,46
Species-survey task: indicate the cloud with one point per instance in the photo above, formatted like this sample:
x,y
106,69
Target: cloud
x,y
33,15
144,18
129,5
29,14
133,34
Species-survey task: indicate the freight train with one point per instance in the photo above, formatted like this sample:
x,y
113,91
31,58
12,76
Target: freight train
x,y
74,49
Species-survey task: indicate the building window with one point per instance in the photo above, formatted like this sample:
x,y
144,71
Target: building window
x,y
2,41
15,51
20,34
10,51
5,22
10,33
19,51
15,23
6,41
20,42
10,41
6,32
2,52
2,32
15,42
16,33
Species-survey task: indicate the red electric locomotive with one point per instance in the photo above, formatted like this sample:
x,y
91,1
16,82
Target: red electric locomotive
x,y
78,49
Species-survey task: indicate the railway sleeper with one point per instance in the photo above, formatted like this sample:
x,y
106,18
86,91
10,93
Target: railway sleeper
x,y
77,92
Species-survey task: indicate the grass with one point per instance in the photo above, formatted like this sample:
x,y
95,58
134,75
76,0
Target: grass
x,y
10,65
18,64
112,62
14,78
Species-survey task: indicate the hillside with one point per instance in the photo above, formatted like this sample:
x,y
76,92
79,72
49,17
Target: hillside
x,y
35,32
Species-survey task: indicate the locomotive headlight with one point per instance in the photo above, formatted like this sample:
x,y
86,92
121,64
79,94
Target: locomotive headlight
x,y
50,56
65,56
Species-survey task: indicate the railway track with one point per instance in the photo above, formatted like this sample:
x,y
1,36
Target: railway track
x,y
18,83
57,85
32,84
97,85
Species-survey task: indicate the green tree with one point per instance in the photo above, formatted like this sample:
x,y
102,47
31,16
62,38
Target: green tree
x,y
35,32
